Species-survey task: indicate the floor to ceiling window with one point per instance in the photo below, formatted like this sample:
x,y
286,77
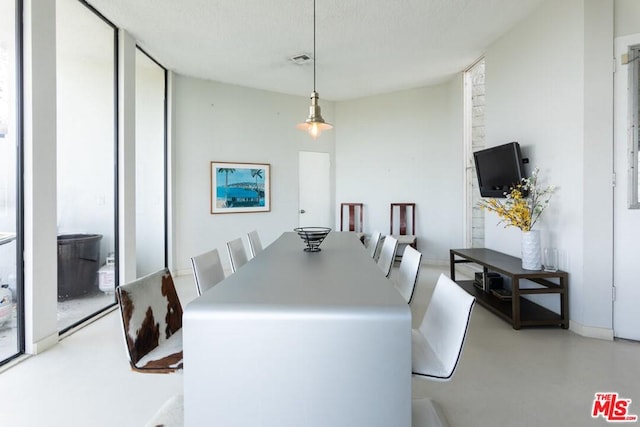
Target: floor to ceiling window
x,y
150,165
474,91
11,306
86,171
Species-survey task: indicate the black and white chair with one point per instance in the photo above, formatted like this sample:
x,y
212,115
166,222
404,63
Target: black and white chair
x,y
207,270
387,255
407,275
437,344
255,245
237,254
151,316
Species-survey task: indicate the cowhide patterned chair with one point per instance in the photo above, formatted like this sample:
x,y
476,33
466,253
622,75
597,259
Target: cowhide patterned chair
x,y
152,322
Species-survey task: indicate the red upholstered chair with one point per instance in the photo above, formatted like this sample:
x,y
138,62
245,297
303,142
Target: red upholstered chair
x,y
151,316
403,225
354,216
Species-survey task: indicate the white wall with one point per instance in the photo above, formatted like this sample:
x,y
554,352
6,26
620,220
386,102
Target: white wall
x,y
598,166
149,165
40,258
627,17
549,86
218,122
405,147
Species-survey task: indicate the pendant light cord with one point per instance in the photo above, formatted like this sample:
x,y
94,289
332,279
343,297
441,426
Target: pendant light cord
x,y
314,45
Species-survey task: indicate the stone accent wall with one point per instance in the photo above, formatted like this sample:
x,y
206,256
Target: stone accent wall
x,y
477,143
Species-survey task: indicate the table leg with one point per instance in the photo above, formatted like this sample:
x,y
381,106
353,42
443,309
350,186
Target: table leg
x,y
452,266
515,303
564,302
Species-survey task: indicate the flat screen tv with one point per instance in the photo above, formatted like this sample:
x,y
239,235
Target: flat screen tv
x,y
498,168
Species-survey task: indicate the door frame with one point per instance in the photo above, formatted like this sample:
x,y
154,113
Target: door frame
x,y
621,167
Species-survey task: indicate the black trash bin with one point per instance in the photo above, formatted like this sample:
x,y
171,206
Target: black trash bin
x,y
78,263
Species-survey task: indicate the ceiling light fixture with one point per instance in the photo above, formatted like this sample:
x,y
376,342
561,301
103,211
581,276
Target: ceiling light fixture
x,y
314,123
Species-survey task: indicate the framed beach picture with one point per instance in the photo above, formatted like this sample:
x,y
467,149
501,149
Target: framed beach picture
x,y
240,187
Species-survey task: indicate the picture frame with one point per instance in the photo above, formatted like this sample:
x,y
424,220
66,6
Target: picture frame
x,y
240,187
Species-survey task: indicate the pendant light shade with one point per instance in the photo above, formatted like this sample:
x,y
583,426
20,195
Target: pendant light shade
x,y
314,124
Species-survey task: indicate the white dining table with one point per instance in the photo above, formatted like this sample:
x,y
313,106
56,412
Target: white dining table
x,y
299,339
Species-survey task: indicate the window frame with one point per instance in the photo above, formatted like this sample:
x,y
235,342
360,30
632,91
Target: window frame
x,y
116,193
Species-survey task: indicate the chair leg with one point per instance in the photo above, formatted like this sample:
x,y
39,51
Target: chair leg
x,y
427,413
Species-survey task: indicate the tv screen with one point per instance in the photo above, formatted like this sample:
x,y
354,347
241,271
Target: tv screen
x,y
498,168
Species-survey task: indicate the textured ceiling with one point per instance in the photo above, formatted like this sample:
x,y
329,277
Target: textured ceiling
x,y
363,47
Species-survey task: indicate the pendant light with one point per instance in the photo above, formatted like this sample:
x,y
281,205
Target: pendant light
x,y
314,123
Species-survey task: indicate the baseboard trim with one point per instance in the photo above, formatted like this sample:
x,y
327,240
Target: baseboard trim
x,y
44,344
590,331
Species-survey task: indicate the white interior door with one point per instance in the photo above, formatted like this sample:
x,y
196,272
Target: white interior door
x,y
626,268
315,189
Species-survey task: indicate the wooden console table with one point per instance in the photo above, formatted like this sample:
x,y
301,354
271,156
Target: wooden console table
x,y
517,310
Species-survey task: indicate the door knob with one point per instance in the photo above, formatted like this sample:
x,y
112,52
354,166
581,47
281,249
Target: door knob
x,y
302,211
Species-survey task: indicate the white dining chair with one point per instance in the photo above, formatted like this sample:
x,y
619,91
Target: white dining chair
x,y
437,343
387,254
207,270
407,275
255,245
436,346
374,241
237,254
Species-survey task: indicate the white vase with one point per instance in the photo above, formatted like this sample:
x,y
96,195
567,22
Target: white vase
x,y
531,251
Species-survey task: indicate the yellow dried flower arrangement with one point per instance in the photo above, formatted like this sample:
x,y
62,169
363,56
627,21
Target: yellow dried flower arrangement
x,y
524,203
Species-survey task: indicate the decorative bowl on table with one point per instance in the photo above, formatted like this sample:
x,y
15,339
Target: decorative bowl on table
x,y
312,236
